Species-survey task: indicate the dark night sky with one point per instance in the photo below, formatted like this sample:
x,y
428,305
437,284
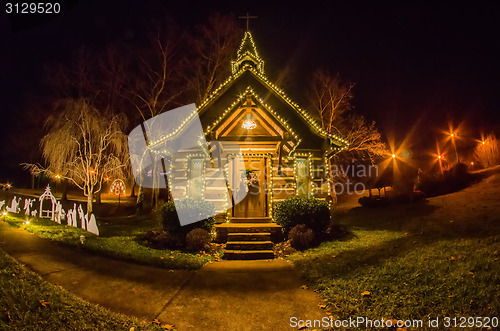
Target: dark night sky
x,y
411,61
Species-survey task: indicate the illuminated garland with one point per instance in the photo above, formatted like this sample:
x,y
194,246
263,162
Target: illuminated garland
x,y
254,55
305,115
260,74
248,91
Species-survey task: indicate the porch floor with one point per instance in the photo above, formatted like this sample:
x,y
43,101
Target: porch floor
x,y
247,225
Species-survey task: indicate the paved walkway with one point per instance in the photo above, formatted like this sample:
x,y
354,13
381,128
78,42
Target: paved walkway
x,y
227,295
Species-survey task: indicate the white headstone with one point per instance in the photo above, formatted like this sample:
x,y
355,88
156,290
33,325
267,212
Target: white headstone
x,y
28,203
83,218
59,213
71,216
92,225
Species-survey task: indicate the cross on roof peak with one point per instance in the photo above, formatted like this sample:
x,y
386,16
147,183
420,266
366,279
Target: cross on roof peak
x,y
247,17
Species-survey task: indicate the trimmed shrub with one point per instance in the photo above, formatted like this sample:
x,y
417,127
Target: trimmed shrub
x,y
160,239
194,208
312,212
197,240
301,237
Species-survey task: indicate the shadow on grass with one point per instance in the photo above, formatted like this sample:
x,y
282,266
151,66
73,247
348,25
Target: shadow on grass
x,y
351,261
127,225
387,218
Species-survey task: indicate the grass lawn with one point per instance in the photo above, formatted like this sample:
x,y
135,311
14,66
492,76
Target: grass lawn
x,y
118,239
118,233
27,302
435,259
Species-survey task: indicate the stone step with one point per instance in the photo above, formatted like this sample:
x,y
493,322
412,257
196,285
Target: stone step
x,y
223,230
252,220
263,229
249,245
248,255
249,236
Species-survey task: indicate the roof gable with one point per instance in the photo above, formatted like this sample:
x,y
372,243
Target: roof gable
x,y
248,75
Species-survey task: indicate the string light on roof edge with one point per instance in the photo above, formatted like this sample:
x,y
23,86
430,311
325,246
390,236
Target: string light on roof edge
x,y
259,73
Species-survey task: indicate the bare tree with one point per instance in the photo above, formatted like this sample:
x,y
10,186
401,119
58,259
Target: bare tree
x,y
211,49
331,98
83,146
487,152
152,89
154,85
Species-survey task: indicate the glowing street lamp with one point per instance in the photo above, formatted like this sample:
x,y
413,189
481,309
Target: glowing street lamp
x,y
393,156
453,135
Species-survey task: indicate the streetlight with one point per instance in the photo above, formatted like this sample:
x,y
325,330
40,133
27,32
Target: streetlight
x,y
57,177
453,135
440,159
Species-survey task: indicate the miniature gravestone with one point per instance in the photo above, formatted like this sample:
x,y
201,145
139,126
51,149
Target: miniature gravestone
x,y
28,203
71,216
59,213
92,225
83,218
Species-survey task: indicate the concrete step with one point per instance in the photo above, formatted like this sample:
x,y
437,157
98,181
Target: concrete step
x,y
248,255
263,229
223,230
249,245
252,220
249,236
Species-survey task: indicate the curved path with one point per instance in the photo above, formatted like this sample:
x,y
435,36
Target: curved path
x,y
227,295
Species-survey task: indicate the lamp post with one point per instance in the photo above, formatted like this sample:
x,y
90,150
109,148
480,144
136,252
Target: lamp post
x,y
440,160
453,135
57,177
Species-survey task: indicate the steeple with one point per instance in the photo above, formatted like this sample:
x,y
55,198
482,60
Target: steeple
x,y
247,55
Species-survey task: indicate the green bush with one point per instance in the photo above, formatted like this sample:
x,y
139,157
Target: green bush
x,y
197,240
301,237
312,212
192,208
160,239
